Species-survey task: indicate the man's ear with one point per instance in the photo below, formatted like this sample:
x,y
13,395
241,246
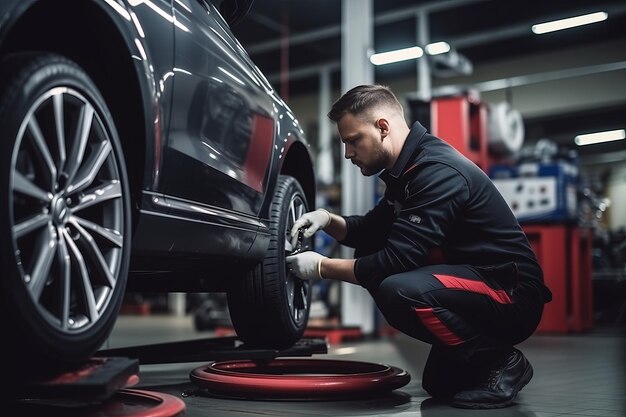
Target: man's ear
x,y
383,125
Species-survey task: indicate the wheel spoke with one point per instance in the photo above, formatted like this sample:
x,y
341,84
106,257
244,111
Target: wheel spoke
x,y
43,253
299,296
90,168
87,294
109,191
292,211
292,216
24,186
80,142
59,121
92,251
65,266
296,209
304,299
42,147
31,224
113,236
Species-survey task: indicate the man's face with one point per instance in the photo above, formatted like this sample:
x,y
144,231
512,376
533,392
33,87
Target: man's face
x,y
363,144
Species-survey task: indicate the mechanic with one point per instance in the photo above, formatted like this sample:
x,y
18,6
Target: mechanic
x,y
442,254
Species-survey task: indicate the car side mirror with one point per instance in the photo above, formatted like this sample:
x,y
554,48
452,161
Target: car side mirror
x,y
234,11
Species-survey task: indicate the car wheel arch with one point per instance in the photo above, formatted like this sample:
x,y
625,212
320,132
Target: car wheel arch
x,y
298,164
126,85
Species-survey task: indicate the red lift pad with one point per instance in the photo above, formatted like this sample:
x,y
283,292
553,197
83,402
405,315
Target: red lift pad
x,y
124,403
305,379
139,403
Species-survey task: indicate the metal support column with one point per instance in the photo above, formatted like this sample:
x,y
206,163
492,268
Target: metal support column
x,y
325,166
423,68
177,303
357,196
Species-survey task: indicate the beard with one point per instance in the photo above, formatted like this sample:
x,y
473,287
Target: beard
x,y
378,163
368,172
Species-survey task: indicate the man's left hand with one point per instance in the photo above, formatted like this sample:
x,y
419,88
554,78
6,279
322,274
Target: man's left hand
x,y
305,265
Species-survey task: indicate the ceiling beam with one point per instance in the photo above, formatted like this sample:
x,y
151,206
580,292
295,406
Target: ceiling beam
x,y
335,30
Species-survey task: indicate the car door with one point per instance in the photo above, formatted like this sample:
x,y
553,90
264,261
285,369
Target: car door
x,y
222,126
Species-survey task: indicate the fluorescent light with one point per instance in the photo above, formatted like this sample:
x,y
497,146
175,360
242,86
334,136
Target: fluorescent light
x,y
608,136
396,56
437,48
570,22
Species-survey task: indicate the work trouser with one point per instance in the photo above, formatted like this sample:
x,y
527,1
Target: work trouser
x,y
460,307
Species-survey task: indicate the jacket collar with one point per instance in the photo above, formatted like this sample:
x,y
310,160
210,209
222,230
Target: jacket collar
x,y
408,150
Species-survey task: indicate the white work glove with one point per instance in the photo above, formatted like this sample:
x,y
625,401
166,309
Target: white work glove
x,y
312,222
306,265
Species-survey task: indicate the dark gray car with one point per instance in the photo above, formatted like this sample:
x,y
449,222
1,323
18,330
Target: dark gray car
x,y
141,149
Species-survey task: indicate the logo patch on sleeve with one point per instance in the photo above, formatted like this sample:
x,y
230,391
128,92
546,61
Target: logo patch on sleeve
x,y
414,218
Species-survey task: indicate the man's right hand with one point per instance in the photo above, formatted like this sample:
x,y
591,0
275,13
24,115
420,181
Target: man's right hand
x,y
311,222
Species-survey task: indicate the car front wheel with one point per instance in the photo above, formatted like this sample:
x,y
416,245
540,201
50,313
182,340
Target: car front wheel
x,y
64,213
270,307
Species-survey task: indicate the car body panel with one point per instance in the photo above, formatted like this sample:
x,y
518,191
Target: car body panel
x,y
214,135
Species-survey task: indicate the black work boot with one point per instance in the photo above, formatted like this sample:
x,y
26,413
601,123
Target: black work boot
x,y
445,373
499,385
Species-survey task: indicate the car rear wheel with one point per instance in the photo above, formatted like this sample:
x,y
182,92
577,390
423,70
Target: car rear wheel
x,y
64,213
270,307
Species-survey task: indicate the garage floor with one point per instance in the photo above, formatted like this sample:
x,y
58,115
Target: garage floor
x,y
575,375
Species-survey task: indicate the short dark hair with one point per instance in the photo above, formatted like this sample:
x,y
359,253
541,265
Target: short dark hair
x,y
362,98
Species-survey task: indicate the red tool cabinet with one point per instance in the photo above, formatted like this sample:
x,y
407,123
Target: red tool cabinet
x,y
462,122
564,253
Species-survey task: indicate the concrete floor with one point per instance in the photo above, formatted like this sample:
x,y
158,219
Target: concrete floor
x,y
575,375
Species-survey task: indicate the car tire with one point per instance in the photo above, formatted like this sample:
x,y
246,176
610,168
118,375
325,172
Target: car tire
x,y
270,307
65,220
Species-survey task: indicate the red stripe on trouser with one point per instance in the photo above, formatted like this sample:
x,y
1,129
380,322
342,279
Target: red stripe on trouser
x,y
437,327
479,287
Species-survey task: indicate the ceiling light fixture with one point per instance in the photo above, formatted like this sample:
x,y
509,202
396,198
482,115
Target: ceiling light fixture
x,y
396,56
570,22
437,48
600,137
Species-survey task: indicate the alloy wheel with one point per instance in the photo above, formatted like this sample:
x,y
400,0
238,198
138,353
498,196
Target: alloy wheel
x,y
67,210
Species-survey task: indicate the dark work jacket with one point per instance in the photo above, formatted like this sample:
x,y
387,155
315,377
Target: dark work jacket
x,y
439,202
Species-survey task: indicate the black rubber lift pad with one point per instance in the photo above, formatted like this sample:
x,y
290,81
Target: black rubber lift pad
x,y
95,380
